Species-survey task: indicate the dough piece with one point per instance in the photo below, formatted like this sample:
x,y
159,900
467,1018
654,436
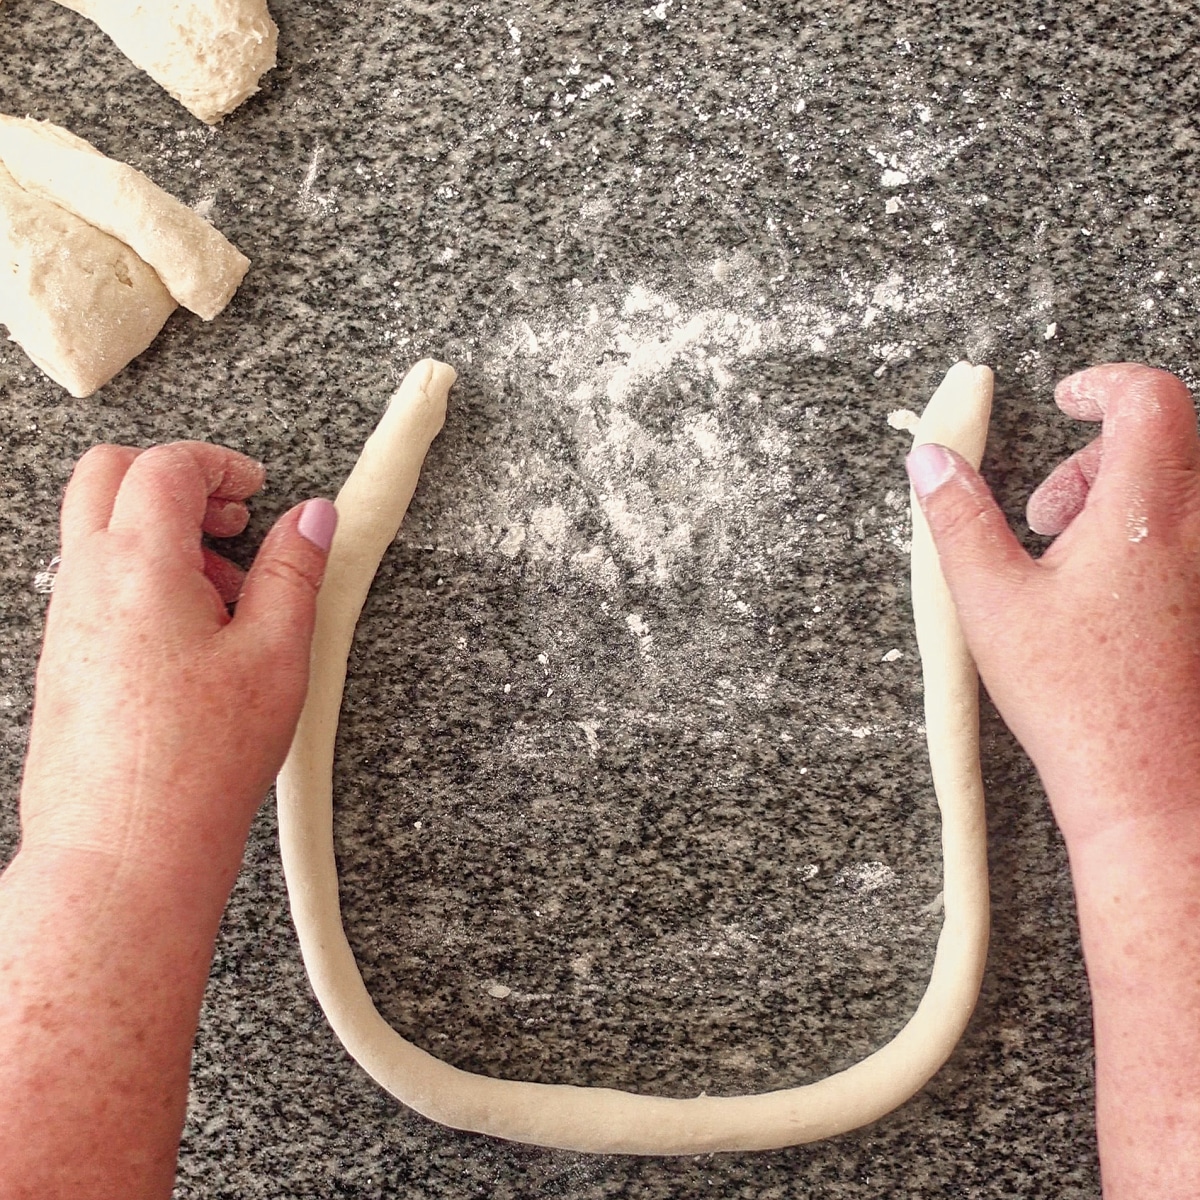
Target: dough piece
x,y
199,267
371,506
209,54
80,303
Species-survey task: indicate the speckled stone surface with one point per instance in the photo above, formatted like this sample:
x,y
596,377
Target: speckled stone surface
x,y
632,788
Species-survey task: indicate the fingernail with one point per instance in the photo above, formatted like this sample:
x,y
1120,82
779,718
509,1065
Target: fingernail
x,y
928,466
318,520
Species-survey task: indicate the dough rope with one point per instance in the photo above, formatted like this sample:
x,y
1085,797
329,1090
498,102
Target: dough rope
x,y
371,505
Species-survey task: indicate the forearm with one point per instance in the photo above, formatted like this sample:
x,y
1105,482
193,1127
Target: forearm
x,y
102,972
159,721
1092,655
1138,892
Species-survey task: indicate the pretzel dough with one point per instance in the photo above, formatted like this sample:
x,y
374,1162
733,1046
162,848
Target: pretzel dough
x,y
80,303
199,267
209,54
371,506
94,256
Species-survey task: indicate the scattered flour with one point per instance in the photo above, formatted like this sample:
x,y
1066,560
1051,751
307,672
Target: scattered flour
x,y
308,199
44,577
725,483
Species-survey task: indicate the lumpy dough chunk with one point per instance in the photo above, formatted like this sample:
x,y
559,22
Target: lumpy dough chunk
x,y
209,54
80,302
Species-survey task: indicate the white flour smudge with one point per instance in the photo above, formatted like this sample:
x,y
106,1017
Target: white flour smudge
x,y
709,493
308,200
591,478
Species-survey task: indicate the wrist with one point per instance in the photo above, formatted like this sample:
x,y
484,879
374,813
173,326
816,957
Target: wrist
x,y
112,963
184,839
190,891
1137,887
1129,827
1102,796
1138,891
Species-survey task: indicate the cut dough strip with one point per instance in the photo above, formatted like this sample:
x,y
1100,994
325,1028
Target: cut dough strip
x,y
371,505
81,304
209,54
198,265
94,256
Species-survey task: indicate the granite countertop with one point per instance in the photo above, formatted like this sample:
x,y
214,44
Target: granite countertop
x,y
632,788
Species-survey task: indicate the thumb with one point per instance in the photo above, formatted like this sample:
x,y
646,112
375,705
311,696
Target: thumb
x,y
277,606
980,556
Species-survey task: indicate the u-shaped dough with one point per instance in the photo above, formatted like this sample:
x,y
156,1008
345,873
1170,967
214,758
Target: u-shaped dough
x,y
371,505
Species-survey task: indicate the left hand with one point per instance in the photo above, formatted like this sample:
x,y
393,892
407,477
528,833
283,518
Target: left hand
x,y
159,719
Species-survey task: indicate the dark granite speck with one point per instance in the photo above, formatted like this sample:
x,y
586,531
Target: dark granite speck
x,y
621,737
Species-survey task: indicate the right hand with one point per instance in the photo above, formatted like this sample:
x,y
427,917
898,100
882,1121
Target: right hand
x,y
1092,652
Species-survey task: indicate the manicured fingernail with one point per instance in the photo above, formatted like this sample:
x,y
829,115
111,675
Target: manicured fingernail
x,y
318,520
929,466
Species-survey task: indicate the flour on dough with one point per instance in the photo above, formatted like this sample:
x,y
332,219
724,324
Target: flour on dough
x,y
209,54
196,263
79,302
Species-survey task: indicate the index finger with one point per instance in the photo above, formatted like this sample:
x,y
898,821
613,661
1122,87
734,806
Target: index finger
x,y
165,492
88,501
1061,496
1149,420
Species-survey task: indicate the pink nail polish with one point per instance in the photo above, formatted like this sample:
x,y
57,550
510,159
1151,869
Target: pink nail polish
x,y
318,520
929,466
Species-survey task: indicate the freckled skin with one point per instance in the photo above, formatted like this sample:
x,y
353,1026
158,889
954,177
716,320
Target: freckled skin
x,y
159,723
1092,655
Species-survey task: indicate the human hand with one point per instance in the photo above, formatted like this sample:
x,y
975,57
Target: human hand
x,y
1092,652
159,721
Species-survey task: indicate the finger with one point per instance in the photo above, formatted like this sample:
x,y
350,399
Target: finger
x,y
225,576
979,555
1149,419
88,501
1060,497
278,601
225,518
164,495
